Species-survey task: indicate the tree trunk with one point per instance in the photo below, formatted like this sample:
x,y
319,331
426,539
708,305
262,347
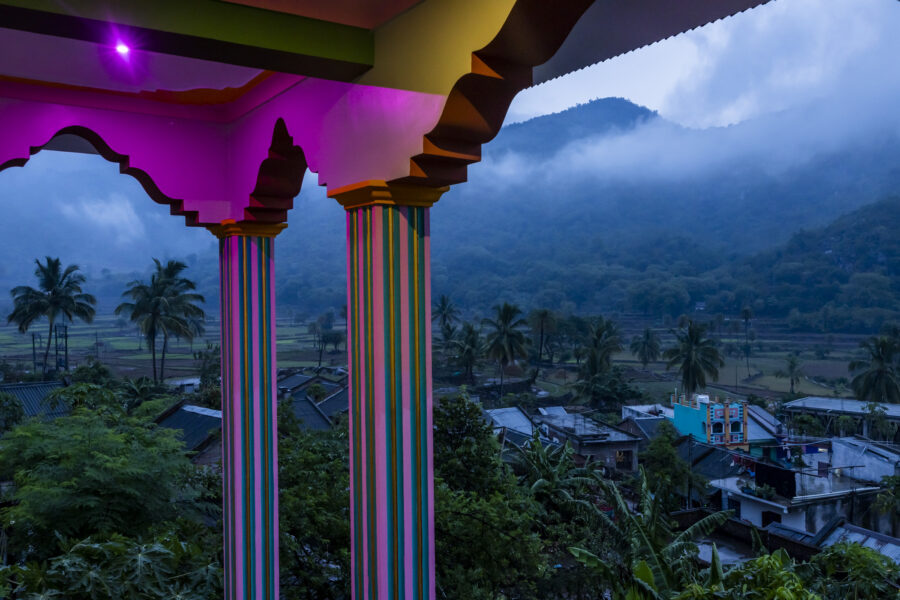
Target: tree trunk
x,y
47,351
321,347
153,357
501,379
162,359
541,345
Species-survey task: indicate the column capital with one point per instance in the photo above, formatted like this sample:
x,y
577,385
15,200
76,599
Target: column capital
x,y
376,192
230,228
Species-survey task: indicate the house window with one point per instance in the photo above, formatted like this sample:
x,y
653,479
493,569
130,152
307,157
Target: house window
x,y
624,460
718,428
735,505
770,517
735,427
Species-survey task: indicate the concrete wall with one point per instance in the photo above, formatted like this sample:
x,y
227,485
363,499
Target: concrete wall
x,y
871,467
691,421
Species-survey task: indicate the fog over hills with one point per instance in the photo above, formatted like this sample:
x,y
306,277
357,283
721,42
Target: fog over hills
x,y
566,210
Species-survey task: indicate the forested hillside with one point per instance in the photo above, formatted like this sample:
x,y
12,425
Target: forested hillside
x,y
605,207
843,277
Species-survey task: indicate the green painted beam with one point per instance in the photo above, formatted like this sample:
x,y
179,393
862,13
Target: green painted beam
x,y
205,29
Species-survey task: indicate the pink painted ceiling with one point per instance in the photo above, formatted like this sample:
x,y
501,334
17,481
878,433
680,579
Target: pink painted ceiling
x,y
359,13
85,64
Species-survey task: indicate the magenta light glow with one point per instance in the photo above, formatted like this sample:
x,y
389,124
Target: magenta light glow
x,y
122,48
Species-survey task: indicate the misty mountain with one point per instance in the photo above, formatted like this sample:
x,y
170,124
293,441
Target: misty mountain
x,y
575,210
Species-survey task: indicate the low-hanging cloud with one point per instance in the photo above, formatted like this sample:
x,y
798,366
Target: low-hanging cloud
x,y
799,90
781,55
113,215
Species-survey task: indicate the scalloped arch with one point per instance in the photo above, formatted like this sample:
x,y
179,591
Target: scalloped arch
x,y
188,165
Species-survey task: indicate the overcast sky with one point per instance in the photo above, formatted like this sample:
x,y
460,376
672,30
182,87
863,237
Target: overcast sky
x,y
780,55
839,58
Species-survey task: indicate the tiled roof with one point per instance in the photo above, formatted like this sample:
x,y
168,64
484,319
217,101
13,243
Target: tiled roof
x,y
33,395
311,417
197,425
293,381
335,404
649,425
711,463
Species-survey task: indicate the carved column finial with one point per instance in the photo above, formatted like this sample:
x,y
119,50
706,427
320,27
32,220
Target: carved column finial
x,y
382,193
230,227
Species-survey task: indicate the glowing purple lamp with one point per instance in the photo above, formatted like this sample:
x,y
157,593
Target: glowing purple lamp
x,y
123,49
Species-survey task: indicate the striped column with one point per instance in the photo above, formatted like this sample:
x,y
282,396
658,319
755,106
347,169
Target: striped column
x,y
389,347
249,433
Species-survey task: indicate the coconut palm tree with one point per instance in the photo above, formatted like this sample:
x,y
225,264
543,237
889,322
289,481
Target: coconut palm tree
x,y
604,341
746,316
646,347
593,377
793,370
468,349
696,357
165,306
444,312
505,341
59,294
544,321
875,376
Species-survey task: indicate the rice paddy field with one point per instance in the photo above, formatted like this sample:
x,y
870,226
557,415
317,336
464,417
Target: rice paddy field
x,y
118,345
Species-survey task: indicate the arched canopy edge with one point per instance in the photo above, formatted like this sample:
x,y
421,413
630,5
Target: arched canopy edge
x,y
205,172
476,105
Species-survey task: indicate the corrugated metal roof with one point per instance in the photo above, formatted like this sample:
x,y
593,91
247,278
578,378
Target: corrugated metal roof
x,y
511,417
195,427
838,405
335,404
587,430
33,397
764,419
884,544
311,417
790,533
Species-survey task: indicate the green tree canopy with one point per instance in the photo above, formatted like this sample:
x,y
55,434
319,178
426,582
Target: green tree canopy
x,y
89,474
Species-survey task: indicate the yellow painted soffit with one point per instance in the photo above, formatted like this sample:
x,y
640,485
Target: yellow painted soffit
x,y
427,48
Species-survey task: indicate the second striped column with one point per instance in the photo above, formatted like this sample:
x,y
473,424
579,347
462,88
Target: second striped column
x,y
389,345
